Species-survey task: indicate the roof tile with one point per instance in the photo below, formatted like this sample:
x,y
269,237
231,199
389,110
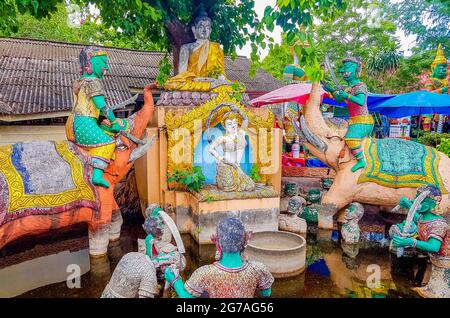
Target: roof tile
x,y
36,76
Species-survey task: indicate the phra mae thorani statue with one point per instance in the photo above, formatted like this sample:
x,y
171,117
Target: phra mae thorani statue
x,y
231,276
426,230
201,63
361,123
230,177
88,102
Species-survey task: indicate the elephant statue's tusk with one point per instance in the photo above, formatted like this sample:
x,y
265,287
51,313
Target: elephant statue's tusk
x,y
142,148
311,138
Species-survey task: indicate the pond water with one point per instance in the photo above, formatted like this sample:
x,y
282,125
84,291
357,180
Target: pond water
x,y
333,269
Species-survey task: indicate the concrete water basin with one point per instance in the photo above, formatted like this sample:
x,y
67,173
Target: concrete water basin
x,y
284,253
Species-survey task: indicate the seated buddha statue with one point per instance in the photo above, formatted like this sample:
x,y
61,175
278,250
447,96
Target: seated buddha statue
x,y
202,63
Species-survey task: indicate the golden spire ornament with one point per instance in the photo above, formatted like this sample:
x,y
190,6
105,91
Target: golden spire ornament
x,y
440,58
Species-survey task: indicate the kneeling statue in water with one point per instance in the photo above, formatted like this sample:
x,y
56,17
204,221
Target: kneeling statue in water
x,y
231,276
433,237
230,177
137,273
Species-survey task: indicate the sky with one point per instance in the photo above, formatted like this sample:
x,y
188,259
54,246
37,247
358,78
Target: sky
x,y
406,42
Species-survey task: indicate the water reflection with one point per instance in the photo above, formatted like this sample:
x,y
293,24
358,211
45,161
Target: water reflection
x,y
333,269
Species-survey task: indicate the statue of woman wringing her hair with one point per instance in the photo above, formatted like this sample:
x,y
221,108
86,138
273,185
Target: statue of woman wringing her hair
x,y
230,176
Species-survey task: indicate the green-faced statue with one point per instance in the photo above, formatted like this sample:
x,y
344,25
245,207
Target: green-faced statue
x,y
89,101
361,123
430,233
438,81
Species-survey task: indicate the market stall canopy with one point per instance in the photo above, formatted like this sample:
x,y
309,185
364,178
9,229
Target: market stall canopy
x,y
373,101
414,103
298,93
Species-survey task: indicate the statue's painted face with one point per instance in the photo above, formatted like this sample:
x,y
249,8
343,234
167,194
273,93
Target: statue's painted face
x,y
202,30
428,204
314,195
231,126
440,71
294,206
350,212
99,65
349,70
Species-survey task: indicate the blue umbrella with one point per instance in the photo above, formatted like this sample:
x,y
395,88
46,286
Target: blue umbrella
x,y
373,100
414,103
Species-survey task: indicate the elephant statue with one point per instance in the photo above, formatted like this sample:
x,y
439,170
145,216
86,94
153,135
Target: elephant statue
x,y
36,202
324,138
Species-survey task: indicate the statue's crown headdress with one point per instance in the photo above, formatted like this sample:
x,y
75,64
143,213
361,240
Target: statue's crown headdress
x,y
355,60
440,57
85,58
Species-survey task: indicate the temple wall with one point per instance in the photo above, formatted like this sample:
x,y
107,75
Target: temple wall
x,y
13,134
200,218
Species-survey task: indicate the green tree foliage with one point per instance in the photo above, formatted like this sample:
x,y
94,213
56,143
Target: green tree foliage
x,y
163,22
55,27
9,10
350,32
429,20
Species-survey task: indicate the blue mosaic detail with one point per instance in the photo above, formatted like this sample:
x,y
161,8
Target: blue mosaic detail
x,y
399,157
16,158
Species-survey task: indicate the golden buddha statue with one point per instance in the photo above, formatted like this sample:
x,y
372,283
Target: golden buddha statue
x,y
202,63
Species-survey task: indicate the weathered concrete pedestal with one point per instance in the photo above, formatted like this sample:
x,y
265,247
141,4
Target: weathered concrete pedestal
x,y
199,217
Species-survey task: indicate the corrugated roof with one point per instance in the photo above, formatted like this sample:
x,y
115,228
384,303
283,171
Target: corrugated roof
x,y
36,76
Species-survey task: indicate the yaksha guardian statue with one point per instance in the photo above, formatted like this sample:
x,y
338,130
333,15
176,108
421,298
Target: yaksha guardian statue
x,y
427,231
88,102
361,123
231,276
438,81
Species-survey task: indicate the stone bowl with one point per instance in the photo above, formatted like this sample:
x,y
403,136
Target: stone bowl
x,y
284,253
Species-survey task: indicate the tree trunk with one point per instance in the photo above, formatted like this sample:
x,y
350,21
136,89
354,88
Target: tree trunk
x,y
178,34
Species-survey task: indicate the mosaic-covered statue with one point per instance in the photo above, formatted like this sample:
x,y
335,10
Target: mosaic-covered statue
x,y
231,276
229,176
394,167
88,103
160,230
291,220
137,274
432,235
361,123
202,63
350,229
438,81
310,212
